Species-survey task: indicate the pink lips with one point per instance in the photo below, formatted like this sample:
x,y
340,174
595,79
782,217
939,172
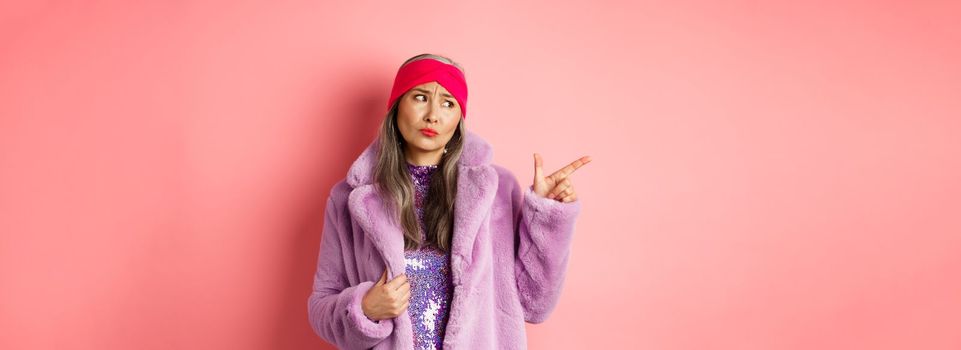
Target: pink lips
x,y
428,131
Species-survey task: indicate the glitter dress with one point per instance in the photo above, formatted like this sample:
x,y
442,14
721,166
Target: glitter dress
x,y
428,272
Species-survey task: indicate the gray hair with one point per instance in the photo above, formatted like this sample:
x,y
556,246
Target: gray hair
x,y
396,187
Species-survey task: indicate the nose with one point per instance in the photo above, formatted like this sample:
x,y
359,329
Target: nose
x,y
430,116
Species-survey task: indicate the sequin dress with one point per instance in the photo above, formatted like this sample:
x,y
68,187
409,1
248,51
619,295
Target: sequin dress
x,y
428,272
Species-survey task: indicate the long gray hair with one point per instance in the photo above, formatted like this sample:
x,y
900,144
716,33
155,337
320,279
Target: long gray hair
x,y
394,180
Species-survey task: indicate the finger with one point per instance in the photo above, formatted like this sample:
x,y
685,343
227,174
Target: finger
x,y
570,198
555,192
566,192
560,187
404,287
383,278
400,304
538,166
398,297
397,281
567,170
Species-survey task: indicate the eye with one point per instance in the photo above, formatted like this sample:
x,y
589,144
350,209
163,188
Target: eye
x,y
451,104
418,96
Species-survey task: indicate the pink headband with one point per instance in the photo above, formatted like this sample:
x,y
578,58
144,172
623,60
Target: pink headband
x,y
427,70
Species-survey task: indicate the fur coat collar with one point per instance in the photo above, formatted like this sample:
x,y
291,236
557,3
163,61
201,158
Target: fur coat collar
x,y
476,188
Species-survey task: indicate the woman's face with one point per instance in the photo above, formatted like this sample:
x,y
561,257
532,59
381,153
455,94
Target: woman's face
x,y
427,106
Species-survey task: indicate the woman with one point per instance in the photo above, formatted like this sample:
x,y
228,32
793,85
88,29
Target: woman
x,y
426,243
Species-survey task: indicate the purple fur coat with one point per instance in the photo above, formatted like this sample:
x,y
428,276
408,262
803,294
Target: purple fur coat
x,y
509,255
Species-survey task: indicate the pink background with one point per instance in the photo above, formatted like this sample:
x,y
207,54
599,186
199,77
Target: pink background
x,y
765,176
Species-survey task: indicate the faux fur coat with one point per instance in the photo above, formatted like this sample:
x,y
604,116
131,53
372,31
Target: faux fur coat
x,y
509,256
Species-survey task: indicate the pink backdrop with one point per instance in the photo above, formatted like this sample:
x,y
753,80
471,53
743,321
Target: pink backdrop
x,y
764,176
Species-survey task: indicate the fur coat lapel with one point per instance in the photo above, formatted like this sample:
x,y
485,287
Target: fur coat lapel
x,y
476,188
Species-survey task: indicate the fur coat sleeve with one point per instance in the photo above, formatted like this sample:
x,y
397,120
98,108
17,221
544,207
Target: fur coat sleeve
x,y
334,306
543,229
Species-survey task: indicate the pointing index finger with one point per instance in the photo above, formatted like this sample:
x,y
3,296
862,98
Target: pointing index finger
x,y
567,170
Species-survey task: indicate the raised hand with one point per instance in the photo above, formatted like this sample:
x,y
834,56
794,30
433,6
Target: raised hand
x,y
558,184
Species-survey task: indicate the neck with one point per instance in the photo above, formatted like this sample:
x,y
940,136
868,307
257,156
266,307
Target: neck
x,y
423,158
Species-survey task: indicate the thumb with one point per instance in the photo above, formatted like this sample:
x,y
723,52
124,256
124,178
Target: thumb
x,y
538,166
383,278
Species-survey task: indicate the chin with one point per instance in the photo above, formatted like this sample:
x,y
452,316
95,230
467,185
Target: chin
x,y
429,147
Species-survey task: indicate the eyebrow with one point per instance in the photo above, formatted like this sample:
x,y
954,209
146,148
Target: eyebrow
x,y
427,92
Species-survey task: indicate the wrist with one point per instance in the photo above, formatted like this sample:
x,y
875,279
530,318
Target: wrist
x,y
364,310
